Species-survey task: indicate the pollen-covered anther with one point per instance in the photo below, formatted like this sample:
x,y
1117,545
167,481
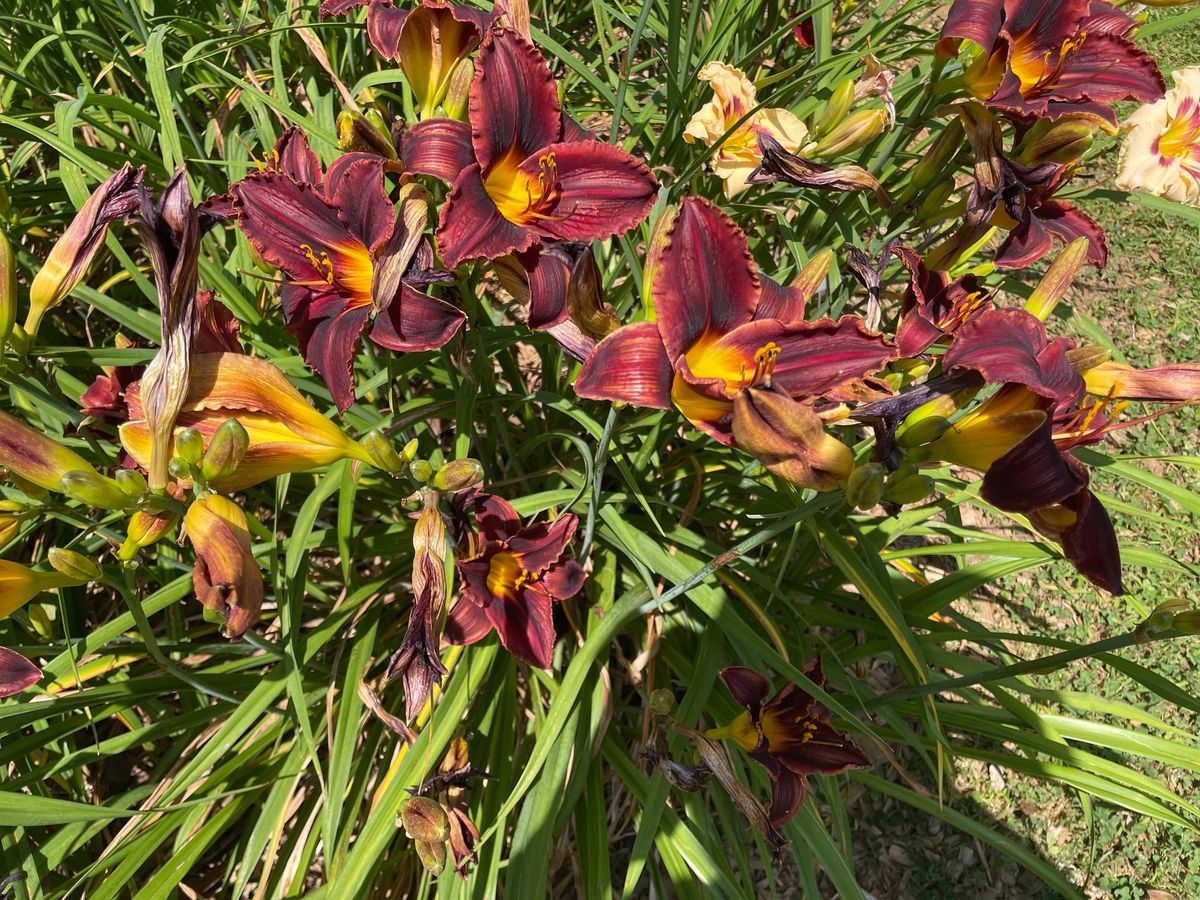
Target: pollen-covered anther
x,y
764,363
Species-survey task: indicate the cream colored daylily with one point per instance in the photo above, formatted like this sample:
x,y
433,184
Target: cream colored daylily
x,y
1161,154
734,97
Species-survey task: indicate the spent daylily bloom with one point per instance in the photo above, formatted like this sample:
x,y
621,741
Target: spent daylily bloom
x,y
120,195
429,42
523,174
777,164
1049,59
789,735
510,583
723,329
33,457
351,260
226,577
286,434
1021,437
720,124
1161,153
16,673
19,584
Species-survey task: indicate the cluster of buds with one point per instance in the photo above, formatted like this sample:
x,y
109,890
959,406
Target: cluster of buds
x,y
436,816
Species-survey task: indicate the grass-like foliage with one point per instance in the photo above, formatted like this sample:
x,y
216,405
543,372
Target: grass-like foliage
x,y
560,449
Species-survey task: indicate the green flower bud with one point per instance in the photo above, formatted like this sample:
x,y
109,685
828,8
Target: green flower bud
x,y
359,134
8,290
420,470
424,819
910,489
73,565
409,453
145,528
923,431
383,454
179,468
662,701
853,133
1062,141
458,475
132,482
933,205
936,159
835,110
90,487
864,486
189,445
225,451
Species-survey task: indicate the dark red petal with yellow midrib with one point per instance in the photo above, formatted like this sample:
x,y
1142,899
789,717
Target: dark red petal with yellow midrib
x,y
296,158
603,191
513,99
705,281
471,226
1032,239
438,147
629,365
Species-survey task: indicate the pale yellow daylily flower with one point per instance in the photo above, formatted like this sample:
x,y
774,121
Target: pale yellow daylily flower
x,y
739,155
1161,154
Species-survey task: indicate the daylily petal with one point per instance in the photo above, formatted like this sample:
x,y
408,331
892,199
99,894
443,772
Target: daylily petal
x,y
1090,542
433,39
564,579
1173,383
630,365
1031,239
414,321
787,796
602,191
525,626
294,157
540,546
514,102
16,673
705,281
357,189
384,25
438,147
1032,475
466,623
29,454
227,578
330,350
977,21
748,687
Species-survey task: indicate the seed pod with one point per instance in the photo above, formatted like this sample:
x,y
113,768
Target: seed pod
x,y
432,856
424,819
420,470
662,701
73,565
864,486
225,451
90,487
458,475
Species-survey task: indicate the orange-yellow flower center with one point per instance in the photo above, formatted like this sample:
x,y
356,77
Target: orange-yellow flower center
x,y
706,359
506,577
353,275
1040,70
781,731
519,196
1182,137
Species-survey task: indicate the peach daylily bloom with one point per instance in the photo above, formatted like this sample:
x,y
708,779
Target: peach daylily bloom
x,y
739,154
1161,154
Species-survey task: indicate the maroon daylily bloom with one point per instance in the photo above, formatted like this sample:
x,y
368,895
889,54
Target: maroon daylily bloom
x,y
350,262
16,673
511,583
429,42
1051,58
789,735
723,329
523,173
935,305
1021,437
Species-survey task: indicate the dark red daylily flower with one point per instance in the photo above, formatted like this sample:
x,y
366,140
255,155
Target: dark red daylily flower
x,y
16,673
429,42
349,260
935,305
1050,58
523,173
1021,437
510,584
724,331
789,735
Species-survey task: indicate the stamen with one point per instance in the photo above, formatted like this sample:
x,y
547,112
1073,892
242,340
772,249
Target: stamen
x,y
323,264
764,363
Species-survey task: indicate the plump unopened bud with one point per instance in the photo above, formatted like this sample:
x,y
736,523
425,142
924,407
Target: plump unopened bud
x,y
1057,280
922,431
145,528
1187,622
853,133
432,855
458,475
73,565
1087,357
864,486
225,451
358,134
909,489
836,109
383,454
90,487
662,701
424,819
178,467
933,205
936,159
409,453
420,470
132,482
1062,141
189,445
8,290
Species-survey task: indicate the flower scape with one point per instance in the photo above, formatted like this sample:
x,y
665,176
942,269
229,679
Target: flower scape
x,y
454,451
